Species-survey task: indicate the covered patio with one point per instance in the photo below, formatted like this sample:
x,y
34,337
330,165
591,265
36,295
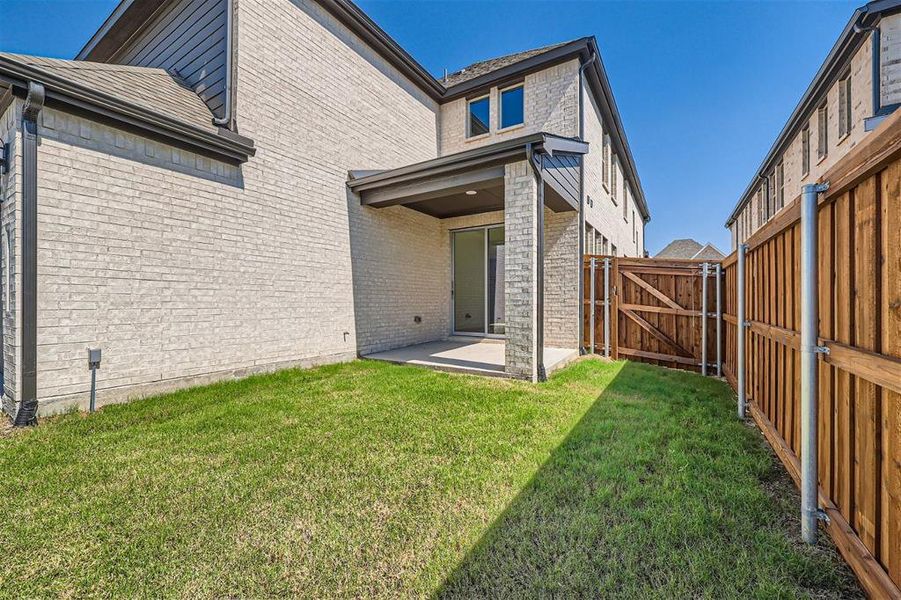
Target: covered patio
x,y
477,356
511,212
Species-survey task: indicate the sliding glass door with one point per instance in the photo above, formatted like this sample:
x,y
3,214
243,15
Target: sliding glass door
x,y
478,281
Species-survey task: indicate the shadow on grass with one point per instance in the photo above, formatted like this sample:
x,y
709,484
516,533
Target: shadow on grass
x,y
657,491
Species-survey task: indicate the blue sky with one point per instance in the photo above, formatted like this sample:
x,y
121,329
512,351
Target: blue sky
x,y
703,87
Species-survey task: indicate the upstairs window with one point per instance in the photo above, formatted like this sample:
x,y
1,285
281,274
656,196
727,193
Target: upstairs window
x,y
805,151
605,162
844,106
626,193
512,107
613,179
822,132
477,122
780,185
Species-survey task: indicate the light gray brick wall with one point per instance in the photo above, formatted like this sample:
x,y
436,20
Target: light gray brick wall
x,y
520,223
10,185
332,104
551,105
561,279
603,213
861,109
185,270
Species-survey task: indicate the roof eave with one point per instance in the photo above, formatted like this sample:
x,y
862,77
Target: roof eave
x,y
231,146
508,150
843,49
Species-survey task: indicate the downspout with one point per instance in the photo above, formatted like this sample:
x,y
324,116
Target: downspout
x,y
34,103
582,203
536,160
226,119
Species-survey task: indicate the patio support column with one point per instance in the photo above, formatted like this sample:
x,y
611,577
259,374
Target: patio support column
x,y
521,270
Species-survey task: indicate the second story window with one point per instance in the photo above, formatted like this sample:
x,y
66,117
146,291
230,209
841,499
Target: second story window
x,y
805,151
626,193
844,106
512,111
780,185
613,178
478,117
605,162
822,132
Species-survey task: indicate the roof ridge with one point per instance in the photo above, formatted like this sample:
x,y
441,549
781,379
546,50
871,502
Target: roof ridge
x,y
531,51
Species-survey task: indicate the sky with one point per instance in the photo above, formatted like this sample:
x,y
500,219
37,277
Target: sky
x,y
703,88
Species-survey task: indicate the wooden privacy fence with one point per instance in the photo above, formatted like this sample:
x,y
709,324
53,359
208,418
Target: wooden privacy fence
x,y
859,360
656,309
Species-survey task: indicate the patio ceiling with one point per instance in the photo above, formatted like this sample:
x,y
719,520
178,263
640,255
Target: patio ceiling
x,y
439,187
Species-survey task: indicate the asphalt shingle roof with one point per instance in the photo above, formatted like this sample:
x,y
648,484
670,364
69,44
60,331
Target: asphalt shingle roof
x,y
152,89
487,66
689,248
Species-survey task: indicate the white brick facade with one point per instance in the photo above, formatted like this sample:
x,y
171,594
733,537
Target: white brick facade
x,y
186,270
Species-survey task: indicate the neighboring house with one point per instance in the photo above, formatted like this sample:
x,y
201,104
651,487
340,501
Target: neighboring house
x,y
690,249
858,85
220,187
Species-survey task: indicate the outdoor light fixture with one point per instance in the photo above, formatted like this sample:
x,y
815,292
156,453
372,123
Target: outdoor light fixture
x,y
471,192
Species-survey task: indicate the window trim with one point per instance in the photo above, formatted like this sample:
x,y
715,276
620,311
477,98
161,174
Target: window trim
x,y
606,165
500,107
613,179
805,151
845,110
468,125
822,134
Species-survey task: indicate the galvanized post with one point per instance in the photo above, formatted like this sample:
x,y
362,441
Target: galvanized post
x,y
607,307
704,319
809,349
591,305
719,320
740,330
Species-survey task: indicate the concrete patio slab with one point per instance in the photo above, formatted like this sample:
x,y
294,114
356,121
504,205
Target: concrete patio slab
x,y
467,355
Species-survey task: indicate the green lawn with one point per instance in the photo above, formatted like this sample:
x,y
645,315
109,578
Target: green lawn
x,y
369,479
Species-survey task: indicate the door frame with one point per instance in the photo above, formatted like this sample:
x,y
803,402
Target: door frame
x,y
484,333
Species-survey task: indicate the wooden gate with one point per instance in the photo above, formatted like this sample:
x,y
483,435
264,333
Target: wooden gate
x,y
655,310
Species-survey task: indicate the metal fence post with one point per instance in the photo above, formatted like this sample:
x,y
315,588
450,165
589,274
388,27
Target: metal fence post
x,y
591,304
719,320
704,319
607,307
809,349
740,329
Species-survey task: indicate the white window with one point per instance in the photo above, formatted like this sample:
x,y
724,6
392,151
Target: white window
x,y
822,131
634,231
512,107
627,193
478,117
844,106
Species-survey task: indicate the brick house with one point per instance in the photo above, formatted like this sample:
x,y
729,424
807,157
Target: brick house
x,y
214,188
855,89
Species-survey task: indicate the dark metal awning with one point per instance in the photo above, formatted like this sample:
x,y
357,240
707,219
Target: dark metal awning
x,y
439,187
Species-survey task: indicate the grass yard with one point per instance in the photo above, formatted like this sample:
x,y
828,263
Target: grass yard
x,y
369,479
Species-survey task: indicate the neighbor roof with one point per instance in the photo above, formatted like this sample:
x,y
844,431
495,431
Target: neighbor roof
x,y
148,98
493,64
689,248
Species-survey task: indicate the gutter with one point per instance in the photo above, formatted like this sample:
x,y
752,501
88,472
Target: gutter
x,y
226,120
28,406
225,143
537,165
